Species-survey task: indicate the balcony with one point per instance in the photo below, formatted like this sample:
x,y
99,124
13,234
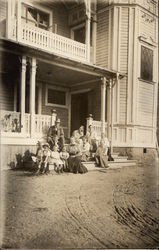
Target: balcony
x,y
48,41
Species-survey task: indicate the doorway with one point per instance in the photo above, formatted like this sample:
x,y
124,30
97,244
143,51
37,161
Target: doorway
x,y
79,34
79,110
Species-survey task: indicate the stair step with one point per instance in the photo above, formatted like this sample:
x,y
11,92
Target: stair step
x,y
111,165
114,164
121,158
115,155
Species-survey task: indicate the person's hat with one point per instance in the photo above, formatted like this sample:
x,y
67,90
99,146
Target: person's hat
x,y
46,145
58,120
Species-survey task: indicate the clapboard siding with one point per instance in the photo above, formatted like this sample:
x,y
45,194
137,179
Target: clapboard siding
x,y
102,39
6,94
147,28
124,40
3,6
124,35
102,4
145,103
9,152
60,18
123,100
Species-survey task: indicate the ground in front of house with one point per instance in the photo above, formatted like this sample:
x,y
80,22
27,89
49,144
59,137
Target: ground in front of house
x,y
101,209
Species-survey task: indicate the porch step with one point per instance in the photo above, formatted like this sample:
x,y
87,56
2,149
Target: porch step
x,y
91,166
120,163
120,158
115,155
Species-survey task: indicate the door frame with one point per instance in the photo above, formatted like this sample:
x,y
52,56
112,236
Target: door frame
x,y
80,91
76,28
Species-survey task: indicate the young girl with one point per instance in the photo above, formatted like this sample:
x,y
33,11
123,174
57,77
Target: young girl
x,y
64,155
56,161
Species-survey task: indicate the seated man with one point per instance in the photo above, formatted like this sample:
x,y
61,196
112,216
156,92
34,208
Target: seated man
x,y
56,133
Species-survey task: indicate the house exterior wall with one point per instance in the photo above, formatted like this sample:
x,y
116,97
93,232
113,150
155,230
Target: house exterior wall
x,y
60,21
135,101
6,93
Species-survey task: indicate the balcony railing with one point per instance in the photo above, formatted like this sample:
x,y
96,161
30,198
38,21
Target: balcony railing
x,y
51,42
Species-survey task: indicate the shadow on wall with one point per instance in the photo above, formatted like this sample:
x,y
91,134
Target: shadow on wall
x,y
24,162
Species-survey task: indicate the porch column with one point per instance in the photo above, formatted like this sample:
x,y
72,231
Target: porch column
x,y
103,103
19,6
32,95
8,18
94,31
112,83
88,28
15,95
22,93
39,98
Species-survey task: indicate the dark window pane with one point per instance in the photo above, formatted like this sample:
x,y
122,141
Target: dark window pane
x,y
56,97
146,63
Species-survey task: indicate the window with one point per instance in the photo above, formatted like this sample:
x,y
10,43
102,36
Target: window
x,y
35,17
146,64
56,97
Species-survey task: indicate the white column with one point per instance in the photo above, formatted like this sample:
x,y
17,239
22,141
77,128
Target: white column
x,y
109,90
103,103
112,108
53,117
32,94
19,6
8,19
94,32
88,28
89,121
22,93
15,95
39,98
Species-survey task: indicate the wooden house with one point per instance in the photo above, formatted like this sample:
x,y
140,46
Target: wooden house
x,y
78,57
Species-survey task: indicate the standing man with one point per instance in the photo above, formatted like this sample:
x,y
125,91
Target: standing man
x,y
56,136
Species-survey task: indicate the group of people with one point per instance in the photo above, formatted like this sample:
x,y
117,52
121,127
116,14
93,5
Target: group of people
x,y
70,157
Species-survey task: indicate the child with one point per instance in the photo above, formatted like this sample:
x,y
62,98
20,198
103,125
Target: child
x,y
56,161
64,155
42,158
45,159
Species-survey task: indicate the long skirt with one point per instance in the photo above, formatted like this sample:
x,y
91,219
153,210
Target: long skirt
x,y
75,165
102,160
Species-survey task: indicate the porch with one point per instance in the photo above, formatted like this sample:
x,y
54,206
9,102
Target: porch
x,y
11,126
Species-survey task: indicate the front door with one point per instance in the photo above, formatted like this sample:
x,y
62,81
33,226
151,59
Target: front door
x,y
79,110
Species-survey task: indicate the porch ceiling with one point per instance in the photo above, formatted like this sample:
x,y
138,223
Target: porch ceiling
x,y
64,75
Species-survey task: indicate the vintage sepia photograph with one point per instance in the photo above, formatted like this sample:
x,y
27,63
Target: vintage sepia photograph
x,y
79,122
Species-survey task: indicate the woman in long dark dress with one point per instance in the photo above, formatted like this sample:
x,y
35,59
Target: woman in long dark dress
x,y
74,162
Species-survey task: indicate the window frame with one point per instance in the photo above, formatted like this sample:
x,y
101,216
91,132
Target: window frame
x,y
153,56
57,88
39,8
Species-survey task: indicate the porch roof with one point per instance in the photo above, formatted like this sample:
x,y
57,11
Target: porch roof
x,y
59,68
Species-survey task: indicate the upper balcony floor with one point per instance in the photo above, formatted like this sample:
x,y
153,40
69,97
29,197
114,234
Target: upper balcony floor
x,y
65,28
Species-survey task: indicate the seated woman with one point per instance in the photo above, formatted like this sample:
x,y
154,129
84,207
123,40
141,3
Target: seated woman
x,y
74,162
85,149
92,140
56,161
101,157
